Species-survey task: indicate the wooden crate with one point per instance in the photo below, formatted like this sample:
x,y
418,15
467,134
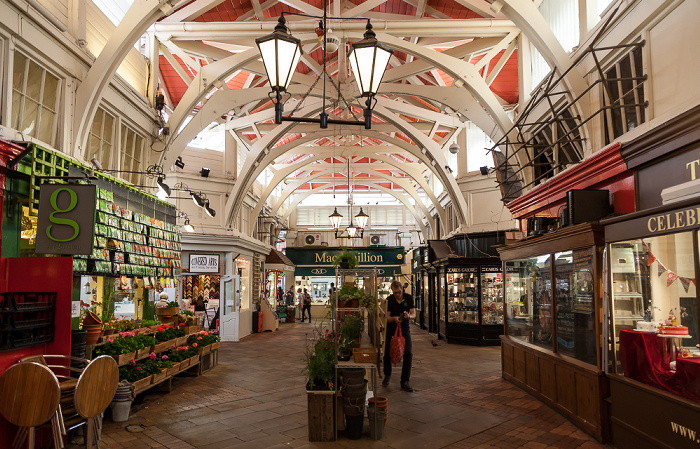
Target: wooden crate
x,y
363,355
320,414
142,384
174,369
155,378
123,359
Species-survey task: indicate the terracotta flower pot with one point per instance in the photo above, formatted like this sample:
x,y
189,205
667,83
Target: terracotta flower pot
x,y
92,318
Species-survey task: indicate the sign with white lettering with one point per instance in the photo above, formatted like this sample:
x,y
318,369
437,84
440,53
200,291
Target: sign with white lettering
x,y
204,263
678,220
66,222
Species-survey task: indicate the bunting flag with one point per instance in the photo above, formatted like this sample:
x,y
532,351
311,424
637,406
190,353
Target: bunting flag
x,y
661,269
685,282
651,259
693,281
670,279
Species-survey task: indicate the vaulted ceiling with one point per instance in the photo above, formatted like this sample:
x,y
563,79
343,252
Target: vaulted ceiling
x,y
455,61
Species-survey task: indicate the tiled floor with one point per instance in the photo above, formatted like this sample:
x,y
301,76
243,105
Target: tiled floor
x,y
255,398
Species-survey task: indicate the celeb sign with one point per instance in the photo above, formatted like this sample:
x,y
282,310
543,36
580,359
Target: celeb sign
x,y
66,223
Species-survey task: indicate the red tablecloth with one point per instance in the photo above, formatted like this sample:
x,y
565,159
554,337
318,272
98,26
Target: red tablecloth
x,y
643,359
687,378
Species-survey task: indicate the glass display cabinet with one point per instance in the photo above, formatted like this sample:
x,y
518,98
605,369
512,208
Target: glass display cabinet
x,y
471,301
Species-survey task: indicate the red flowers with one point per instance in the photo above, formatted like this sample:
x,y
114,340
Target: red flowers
x,y
182,324
199,338
194,345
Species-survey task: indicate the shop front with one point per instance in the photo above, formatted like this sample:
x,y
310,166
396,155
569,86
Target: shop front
x,y
652,298
469,297
221,269
553,344
315,271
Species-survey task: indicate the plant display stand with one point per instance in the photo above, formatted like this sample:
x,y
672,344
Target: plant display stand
x,y
367,356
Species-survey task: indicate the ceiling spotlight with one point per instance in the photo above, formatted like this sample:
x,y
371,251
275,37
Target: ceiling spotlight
x,y
447,167
179,163
96,164
205,172
163,188
454,148
188,227
211,212
198,200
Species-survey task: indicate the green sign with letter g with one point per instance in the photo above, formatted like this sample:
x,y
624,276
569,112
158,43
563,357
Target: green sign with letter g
x,y
63,221
66,223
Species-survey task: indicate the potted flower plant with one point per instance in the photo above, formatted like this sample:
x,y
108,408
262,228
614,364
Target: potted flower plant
x,y
346,259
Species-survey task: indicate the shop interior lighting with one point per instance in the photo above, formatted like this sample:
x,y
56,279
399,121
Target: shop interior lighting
x,y
281,51
179,163
187,226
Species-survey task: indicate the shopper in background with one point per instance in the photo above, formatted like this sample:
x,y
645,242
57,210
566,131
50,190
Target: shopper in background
x,y
280,296
331,290
289,297
305,300
401,309
405,287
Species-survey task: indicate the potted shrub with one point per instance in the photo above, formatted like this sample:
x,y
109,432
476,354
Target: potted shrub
x,y
351,328
344,350
346,259
320,388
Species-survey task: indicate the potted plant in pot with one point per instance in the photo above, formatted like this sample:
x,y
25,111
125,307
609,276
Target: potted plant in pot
x,y
344,350
351,328
320,388
346,259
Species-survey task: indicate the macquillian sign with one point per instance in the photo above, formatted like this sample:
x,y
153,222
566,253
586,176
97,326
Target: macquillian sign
x,y
66,223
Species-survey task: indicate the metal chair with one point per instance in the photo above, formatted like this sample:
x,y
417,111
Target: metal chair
x,y
93,394
29,397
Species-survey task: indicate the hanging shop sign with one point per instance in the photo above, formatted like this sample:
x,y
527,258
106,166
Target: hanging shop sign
x,y
367,257
204,263
66,223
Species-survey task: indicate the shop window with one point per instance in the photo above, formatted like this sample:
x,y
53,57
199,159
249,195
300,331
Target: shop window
x,y
462,299
35,100
528,289
573,277
624,93
101,139
655,312
131,154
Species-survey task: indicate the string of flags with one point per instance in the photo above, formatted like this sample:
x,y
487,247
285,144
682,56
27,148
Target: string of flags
x,y
661,269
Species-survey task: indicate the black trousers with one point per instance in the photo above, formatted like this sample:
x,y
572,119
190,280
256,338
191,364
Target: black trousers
x,y
304,308
408,352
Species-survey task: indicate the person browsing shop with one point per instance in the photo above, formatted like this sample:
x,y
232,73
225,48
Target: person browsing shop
x,y
305,300
401,309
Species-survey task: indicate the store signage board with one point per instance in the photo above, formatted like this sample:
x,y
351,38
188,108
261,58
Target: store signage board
x,y
382,271
367,257
66,223
491,269
653,179
204,263
668,222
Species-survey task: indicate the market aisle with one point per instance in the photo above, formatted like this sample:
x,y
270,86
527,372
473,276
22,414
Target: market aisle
x,y
255,398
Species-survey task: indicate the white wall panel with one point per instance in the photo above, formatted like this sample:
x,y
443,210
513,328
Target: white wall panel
x,y
675,65
57,8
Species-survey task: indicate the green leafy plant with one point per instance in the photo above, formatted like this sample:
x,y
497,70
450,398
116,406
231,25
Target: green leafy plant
x,y
188,312
117,346
346,259
203,338
150,323
345,347
165,333
351,328
320,359
145,340
173,304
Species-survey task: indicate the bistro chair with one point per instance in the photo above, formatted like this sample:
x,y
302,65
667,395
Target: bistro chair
x,y
93,394
29,397
66,382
